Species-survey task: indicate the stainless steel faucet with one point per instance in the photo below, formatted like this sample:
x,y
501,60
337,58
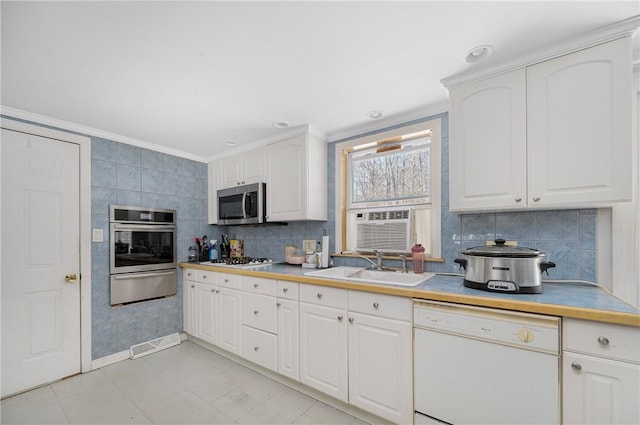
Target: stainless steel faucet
x,y
374,266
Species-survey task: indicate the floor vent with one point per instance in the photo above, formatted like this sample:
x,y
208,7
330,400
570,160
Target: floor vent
x,y
153,346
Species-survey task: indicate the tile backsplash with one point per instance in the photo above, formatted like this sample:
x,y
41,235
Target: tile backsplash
x,y
127,175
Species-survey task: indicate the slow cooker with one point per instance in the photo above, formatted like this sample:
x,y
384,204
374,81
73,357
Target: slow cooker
x,y
504,268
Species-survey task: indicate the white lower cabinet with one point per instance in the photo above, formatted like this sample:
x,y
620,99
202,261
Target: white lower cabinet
x,y
380,356
189,306
351,345
600,373
288,338
260,347
323,349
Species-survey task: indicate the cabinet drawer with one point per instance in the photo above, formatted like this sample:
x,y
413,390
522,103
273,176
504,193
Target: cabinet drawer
x,y
324,295
260,347
229,280
260,311
189,274
380,305
205,276
288,290
259,285
602,339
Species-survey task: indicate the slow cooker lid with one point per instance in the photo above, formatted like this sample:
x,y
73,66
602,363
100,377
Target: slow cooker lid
x,y
500,249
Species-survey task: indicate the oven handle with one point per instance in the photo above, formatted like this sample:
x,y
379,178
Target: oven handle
x,y
142,275
120,226
244,205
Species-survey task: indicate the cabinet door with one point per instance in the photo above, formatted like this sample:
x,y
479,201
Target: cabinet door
x,y
380,366
189,305
213,173
253,166
579,127
288,339
323,349
599,391
231,171
206,299
229,319
487,143
287,179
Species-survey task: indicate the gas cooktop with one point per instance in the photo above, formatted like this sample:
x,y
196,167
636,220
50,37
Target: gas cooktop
x,y
241,262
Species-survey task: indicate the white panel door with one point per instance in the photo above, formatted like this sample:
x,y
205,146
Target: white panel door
x,y
287,179
288,339
599,391
579,127
207,321
323,349
40,248
488,143
229,319
380,369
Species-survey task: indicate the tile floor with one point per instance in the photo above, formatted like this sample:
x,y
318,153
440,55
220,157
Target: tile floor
x,y
185,384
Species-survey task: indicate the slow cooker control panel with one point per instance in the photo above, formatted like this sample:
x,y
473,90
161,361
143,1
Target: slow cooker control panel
x,y
501,285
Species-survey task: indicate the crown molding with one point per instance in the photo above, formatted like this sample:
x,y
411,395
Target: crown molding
x,y
19,114
601,35
392,121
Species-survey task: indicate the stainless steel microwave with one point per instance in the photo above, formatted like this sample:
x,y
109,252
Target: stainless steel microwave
x,y
242,204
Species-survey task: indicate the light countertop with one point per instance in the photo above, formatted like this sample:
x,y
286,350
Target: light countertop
x,y
567,299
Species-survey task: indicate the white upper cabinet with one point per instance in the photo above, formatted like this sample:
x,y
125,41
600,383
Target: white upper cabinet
x,y
488,143
297,179
579,127
555,134
244,168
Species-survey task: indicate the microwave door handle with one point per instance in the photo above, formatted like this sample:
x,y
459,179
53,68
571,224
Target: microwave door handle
x,y
244,205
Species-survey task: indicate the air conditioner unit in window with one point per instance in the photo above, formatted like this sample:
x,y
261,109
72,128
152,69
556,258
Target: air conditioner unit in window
x,y
385,230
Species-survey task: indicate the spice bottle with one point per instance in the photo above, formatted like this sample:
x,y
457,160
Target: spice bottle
x,y
417,255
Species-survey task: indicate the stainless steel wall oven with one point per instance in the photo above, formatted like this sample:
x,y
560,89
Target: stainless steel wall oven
x,y
142,253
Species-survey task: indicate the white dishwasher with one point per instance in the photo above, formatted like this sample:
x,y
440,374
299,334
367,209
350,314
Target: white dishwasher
x,y
476,365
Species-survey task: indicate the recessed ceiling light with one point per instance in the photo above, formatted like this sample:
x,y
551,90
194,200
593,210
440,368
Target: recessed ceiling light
x,y
280,124
478,54
375,115
230,142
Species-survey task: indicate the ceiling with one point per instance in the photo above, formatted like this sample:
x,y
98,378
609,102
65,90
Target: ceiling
x,y
186,77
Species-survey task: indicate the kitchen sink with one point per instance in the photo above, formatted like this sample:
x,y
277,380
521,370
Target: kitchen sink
x,y
359,274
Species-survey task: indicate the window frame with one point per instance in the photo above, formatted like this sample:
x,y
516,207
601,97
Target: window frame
x,y
341,175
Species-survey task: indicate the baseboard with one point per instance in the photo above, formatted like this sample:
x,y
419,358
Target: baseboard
x,y
118,357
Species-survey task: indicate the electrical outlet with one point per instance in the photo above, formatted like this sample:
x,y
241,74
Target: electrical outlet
x,y
97,235
309,245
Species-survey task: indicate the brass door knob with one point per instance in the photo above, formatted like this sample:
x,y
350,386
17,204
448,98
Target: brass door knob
x,y
71,277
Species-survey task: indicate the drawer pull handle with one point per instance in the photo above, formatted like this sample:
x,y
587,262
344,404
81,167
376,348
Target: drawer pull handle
x,y
576,366
603,340
278,304
255,285
213,290
319,295
204,276
518,199
350,319
340,318
226,281
256,348
536,198
376,305
188,274
217,291
285,290
193,286
255,312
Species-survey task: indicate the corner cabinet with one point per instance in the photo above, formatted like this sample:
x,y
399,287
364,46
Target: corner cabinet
x,y
600,373
297,179
554,134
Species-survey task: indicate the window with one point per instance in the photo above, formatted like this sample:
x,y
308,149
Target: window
x,y
391,173
386,174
